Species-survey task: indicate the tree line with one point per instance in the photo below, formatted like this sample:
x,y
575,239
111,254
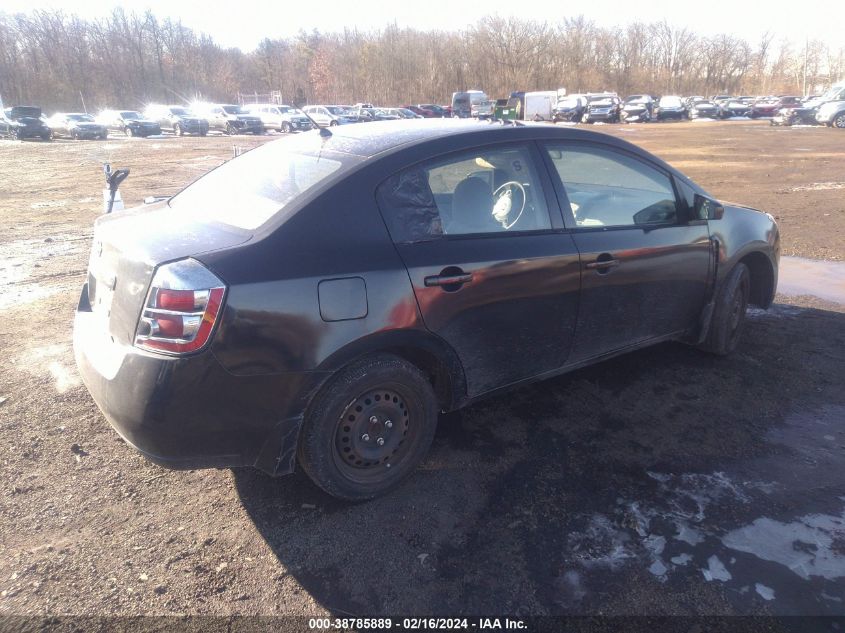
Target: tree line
x,y
127,59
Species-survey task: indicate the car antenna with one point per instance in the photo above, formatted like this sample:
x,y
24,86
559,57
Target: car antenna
x,y
324,131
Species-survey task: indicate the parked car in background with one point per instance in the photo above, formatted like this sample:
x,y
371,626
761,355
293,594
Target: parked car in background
x,y
734,108
770,106
439,111
701,108
806,113
277,330
602,107
282,118
373,114
671,107
229,118
483,109
832,114
403,113
22,122
637,109
329,115
128,122
570,108
176,119
76,125
428,114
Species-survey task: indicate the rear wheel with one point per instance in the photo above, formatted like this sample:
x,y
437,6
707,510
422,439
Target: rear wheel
x,y
177,130
369,428
286,127
729,312
333,124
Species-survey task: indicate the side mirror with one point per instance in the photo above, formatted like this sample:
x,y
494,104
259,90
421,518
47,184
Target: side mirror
x,y
707,209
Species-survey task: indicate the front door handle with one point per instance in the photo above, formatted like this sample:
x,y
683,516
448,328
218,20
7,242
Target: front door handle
x,y
448,280
602,264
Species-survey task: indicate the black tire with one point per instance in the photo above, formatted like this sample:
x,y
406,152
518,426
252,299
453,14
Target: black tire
x,y
839,121
729,312
285,127
378,399
333,124
177,130
128,131
230,129
205,133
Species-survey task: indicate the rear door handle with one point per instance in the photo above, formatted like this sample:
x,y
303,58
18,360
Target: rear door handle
x,y
448,280
605,263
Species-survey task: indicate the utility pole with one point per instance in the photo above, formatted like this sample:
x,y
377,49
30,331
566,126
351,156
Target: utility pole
x,y
806,52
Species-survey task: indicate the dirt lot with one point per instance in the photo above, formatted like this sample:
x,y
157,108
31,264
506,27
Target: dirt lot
x,y
662,482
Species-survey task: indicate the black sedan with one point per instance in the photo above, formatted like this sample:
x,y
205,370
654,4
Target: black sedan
x,y
129,122
23,122
671,107
321,298
703,109
76,125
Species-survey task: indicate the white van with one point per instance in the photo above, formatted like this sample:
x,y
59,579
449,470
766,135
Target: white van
x,y
463,102
539,105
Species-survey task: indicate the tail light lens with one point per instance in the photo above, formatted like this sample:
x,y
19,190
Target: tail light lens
x,y
182,307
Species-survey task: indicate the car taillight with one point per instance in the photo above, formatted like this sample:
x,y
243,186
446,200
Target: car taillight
x,y
181,308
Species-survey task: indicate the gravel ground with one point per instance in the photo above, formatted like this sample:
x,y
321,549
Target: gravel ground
x,y
662,482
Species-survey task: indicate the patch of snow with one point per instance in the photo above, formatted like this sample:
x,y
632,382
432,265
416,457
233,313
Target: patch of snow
x,y
716,570
807,547
766,593
681,559
817,186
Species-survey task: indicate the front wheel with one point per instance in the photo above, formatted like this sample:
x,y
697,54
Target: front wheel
x,y
285,128
333,124
369,428
230,129
839,121
729,312
177,130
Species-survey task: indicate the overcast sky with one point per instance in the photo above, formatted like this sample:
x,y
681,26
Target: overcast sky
x,y
245,23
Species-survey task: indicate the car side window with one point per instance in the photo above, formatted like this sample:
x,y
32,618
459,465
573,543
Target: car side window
x,y
610,188
483,191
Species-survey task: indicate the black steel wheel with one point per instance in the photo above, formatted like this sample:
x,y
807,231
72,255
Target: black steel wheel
x,y
729,312
368,428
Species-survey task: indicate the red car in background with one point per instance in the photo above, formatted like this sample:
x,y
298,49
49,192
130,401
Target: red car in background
x,y
429,114
771,106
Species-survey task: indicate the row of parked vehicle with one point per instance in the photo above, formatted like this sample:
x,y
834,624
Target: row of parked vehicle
x,y
827,109
28,121
23,122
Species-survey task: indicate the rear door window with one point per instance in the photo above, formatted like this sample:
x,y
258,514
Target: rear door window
x,y
491,190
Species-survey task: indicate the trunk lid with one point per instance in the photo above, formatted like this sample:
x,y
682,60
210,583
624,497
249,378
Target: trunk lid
x,y
127,248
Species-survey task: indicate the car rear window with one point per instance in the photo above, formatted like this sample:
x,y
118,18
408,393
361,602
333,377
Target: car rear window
x,y
247,191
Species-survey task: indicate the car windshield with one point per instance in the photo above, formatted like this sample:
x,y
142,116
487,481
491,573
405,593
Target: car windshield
x,y
569,102
287,110
602,101
130,115
80,117
179,111
247,191
233,109
670,102
337,110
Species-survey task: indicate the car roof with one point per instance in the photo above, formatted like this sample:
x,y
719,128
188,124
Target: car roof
x,y
380,137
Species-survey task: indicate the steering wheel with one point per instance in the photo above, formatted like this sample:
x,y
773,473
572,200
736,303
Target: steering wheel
x,y
503,196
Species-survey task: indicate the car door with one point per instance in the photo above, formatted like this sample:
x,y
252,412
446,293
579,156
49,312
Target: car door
x,y
645,260
502,292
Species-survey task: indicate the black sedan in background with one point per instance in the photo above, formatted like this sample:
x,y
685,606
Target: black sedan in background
x,y
703,109
76,125
22,122
671,107
128,122
176,119
637,109
320,299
